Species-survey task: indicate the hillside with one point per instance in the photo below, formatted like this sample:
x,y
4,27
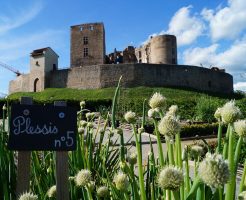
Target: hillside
x,y
132,98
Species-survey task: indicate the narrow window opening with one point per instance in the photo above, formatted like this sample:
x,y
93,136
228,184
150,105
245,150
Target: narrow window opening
x,y
85,40
85,52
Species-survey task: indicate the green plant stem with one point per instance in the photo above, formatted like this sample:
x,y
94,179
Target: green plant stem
x,y
176,195
229,185
114,104
122,148
219,138
225,148
140,167
193,189
171,154
242,186
159,144
187,177
179,160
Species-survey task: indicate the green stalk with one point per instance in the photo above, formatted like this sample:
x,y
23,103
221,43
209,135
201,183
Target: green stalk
x,y
114,104
171,155
122,148
187,176
229,186
225,148
140,168
159,144
197,182
218,150
179,160
242,185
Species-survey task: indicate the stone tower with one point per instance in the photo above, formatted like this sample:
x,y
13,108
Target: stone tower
x,y
161,49
87,44
42,62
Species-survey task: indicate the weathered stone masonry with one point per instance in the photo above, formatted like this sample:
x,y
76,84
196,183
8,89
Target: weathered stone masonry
x,y
154,64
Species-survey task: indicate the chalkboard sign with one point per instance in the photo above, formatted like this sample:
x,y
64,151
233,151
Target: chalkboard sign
x,y
35,127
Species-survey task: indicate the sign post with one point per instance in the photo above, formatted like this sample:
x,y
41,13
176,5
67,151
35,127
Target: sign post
x,y
43,128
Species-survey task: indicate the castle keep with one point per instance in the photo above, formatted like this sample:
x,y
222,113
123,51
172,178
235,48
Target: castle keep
x,y
152,64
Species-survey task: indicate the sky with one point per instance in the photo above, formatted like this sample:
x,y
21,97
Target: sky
x,y
209,33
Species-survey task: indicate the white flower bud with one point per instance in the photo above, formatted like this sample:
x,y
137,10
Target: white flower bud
x,y
28,196
230,113
130,117
83,178
214,171
52,191
240,127
157,101
121,181
170,178
103,191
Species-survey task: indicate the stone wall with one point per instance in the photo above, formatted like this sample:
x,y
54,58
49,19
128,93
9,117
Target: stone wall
x,y
153,75
91,37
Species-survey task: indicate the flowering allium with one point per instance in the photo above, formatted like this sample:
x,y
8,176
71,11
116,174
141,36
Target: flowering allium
x,y
132,158
170,178
90,115
83,177
242,196
52,191
83,123
121,181
28,196
102,191
81,130
130,117
229,112
217,114
169,126
214,171
157,101
196,151
153,113
240,127
82,104
172,110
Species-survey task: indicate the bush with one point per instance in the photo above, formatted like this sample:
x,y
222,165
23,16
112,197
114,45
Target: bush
x,y
205,108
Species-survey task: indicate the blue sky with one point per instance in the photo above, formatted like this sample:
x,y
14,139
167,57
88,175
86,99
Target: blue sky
x,y
209,33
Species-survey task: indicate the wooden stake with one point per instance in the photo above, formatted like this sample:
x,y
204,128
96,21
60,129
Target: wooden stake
x,y
24,159
62,173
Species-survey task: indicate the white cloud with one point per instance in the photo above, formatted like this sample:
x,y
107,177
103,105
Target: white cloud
x,y
233,58
227,22
187,28
19,17
240,86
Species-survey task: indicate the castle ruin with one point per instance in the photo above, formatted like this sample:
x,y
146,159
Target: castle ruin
x,y
153,64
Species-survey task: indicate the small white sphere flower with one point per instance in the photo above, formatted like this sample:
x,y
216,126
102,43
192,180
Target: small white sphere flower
x,y
153,113
83,177
102,191
140,130
172,110
157,101
132,158
130,117
4,107
83,123
230,113
169,126
242,196
28,196
90,125
90,115
121,181
81,130
52,191
214,171
170,178
217,114
196,151
82,104
240,127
